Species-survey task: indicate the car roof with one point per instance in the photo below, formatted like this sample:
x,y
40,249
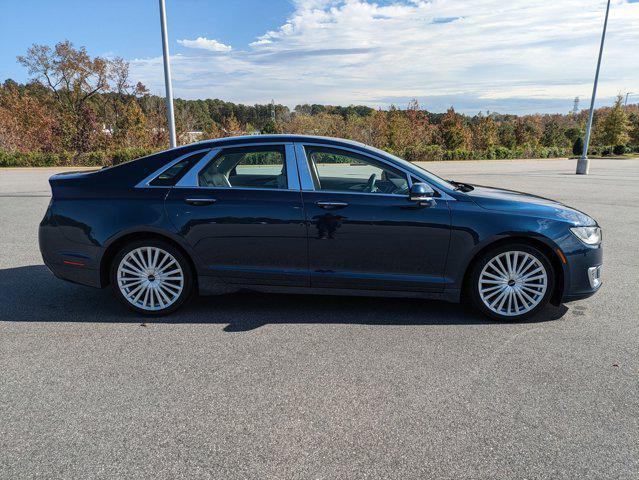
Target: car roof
x,y
282,138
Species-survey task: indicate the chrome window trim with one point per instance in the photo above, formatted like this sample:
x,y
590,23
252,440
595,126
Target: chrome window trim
x,y
306,179
292,172
145,183
190,180
239,189
344,192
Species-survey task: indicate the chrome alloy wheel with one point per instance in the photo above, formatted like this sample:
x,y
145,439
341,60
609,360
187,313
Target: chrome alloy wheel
x,y
150,278
513,283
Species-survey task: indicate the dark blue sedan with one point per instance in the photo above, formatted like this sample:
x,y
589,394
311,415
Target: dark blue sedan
x,y
301,214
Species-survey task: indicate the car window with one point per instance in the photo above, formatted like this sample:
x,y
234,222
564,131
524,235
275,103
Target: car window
x,y
249,167
344,171
174,173
411,167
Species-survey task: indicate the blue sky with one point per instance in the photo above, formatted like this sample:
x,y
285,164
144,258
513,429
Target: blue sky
x,y
130,28
518,56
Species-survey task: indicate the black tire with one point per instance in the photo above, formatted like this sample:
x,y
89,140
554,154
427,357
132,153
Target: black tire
x,y
485,258
178,256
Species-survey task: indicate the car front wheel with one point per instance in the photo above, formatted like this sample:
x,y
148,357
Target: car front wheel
x,y
151,277
512,282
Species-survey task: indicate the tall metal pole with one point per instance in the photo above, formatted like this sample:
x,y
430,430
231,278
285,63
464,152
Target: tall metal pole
x,y
167,76
583,164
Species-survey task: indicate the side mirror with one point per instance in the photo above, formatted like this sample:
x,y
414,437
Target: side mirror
x,y
421,192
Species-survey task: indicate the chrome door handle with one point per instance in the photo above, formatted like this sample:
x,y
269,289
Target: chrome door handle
x,y
200,201
329,205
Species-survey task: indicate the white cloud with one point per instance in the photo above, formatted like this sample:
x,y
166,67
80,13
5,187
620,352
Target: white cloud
x,y
206,44
519,55
260,41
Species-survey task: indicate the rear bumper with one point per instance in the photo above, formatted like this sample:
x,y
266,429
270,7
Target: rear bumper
x,y
69,260
75,274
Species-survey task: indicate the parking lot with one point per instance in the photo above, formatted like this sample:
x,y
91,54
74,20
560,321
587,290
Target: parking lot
x,y
274,386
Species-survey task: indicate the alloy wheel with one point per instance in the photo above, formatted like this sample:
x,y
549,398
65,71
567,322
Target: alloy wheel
x,y
150,278
512,283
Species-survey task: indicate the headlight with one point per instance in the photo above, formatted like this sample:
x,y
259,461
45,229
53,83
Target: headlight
x,y
588,235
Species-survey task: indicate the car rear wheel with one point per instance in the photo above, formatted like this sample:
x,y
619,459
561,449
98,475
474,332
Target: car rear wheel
x,y
151,277
512,282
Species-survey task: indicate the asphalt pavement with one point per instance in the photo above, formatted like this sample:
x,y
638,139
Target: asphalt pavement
x,y
287,387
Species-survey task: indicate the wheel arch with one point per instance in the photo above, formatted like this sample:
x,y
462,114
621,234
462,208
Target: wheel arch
x,y
117,244
547,249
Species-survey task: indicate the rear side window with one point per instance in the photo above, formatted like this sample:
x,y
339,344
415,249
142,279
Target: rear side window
x,y
262,167
174,173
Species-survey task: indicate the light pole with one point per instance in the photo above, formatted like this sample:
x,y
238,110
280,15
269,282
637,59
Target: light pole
x,y
626,102
583,164
167,76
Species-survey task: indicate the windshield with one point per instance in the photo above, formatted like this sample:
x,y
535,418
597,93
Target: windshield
x,y
416,169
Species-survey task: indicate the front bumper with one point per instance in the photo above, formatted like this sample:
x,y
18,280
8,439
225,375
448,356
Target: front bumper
x,y
594,276
583,272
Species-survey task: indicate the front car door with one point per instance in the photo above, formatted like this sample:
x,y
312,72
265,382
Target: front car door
x,y
364,232
240,209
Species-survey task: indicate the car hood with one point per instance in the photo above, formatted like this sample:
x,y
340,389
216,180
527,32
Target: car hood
x,y
502,200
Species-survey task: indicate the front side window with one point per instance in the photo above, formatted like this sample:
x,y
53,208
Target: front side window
x,y
344,171
246,167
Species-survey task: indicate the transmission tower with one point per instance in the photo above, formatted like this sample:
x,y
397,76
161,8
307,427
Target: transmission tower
x,y
575,106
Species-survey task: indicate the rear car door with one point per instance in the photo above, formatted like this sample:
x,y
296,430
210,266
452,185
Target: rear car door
x,y
240,209
364,232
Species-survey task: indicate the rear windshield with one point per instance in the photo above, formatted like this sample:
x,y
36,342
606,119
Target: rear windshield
x,y
174,173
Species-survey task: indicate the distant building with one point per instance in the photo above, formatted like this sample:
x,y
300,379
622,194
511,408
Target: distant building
x,y
192,136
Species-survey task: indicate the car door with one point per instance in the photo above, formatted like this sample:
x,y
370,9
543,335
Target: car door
x,y
240,209
364,232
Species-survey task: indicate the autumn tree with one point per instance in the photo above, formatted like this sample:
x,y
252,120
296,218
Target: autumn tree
x,y
212,130
231,126
529,130
379,131
421,129
301,123
454,133
634,128
130,128
553,135
26,122
614,127
75,79
123,114
506,135
269,127
358,128
186,121
484,132
400,131
82,103
324,124
154,109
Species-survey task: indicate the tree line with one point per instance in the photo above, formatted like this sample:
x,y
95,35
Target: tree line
x,y
83,110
